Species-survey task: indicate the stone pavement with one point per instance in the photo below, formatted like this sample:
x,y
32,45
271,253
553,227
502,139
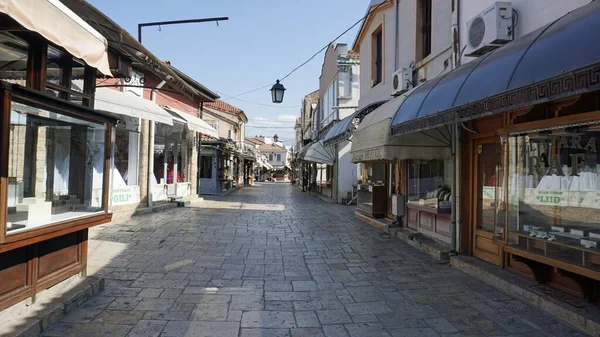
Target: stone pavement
x,y
271,261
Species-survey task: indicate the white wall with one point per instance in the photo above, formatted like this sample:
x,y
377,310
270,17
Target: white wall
x,y
533,14
383,90
346,170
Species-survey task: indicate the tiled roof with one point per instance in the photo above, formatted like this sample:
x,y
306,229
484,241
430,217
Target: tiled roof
x,y
208,138
254,140
222,106
270,147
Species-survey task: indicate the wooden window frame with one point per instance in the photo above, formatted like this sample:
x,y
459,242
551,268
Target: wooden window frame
x,y
8,93
377,56
64,88
424,29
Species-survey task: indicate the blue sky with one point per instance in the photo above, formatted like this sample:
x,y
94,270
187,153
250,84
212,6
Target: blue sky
x,y
262,41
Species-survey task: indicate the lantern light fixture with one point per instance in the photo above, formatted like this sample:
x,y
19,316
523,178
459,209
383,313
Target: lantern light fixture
x,y
277,92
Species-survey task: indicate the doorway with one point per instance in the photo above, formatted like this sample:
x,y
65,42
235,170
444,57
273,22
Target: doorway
x,y
487,215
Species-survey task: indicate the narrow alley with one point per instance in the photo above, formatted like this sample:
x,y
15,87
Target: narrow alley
x,y
280,262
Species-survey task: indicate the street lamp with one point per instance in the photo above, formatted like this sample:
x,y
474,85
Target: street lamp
x,y
277,92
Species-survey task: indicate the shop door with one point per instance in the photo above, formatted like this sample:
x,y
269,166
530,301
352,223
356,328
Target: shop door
x,y
486,171
208,175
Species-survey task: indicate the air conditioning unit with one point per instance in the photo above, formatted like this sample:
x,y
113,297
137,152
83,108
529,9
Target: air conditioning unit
x,y
401,81
490,29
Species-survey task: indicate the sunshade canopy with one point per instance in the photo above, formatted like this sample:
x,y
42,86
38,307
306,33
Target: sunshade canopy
x,y
59,25
554,61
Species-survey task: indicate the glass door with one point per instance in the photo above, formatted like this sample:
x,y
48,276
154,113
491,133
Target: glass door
x,y
488,202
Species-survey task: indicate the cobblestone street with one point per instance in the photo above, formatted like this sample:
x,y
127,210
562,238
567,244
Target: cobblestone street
x,y
271,261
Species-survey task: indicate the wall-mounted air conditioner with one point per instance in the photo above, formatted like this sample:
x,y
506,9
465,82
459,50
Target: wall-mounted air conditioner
x,y
490,29
401,81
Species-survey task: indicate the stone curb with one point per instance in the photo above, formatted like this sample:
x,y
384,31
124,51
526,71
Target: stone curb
x,y
515,286
413,238
57,310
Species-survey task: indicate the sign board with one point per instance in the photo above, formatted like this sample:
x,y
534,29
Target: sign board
x,y
564,198
125,195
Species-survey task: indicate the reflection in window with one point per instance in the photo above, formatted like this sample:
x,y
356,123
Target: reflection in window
x,y
429,182
56,166
125,158
554,194
206,167
13,59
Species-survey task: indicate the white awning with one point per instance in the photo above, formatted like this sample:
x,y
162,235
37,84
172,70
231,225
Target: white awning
x,y
121,103
372,140
59,25
317,153
194,123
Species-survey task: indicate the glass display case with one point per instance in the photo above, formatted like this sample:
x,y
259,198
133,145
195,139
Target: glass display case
x,y
55,167
554,195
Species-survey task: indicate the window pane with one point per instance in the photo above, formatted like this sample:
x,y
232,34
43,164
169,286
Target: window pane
x,y
429,182
13,59
206,167
56,168
554,195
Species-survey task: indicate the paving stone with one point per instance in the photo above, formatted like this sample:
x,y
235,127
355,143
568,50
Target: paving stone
x,y
147,328
286,296
441,325
278,286
279,305
307,319
268,319
247,302
209,298
234,316
200,329
213,312
155,304
335,331
308,305
304,285
118,317
265,333
333,317
151,292
307,332
124,303
366,329
414,332
168,315
90,329
368,308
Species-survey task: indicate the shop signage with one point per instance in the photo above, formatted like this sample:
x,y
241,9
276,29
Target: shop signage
x,y
368,155
125,195
564,198
542,166
489,192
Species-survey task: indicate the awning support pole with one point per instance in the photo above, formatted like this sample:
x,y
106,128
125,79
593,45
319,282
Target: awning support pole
x,y
453,189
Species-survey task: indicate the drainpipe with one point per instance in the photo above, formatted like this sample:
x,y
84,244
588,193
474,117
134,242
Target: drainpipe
x,y
455,130
152,129
397,15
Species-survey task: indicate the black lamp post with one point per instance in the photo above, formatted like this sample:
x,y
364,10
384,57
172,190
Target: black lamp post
x,y
277,92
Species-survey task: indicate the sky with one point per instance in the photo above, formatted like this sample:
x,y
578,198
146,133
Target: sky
x,y
262,41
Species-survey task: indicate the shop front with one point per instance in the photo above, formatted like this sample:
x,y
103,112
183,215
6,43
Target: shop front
x,y
54,148
130,109
528,143
321,160
395,171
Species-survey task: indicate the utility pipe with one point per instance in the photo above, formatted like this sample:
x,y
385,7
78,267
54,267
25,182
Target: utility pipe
x,y
152,130
397,15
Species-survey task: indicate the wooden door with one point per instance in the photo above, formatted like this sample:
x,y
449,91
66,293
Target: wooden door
x,y
485,170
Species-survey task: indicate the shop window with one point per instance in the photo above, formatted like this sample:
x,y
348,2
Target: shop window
x,y
13,59
554,194
125,158
206,167
270,157
65,77
278,157
429,182
56,166
375,173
